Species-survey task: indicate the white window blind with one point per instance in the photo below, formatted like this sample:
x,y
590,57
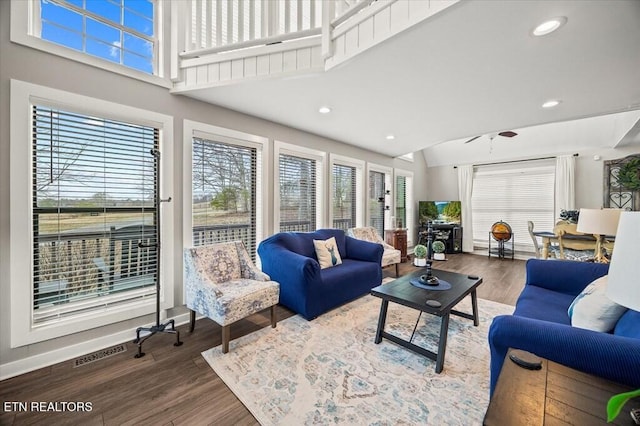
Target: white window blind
x,y
401,201
123,32
376,201
344,196
225,182
297,193
94,220
513,193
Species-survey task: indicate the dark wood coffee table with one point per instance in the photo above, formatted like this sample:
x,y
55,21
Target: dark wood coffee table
x,y
402,292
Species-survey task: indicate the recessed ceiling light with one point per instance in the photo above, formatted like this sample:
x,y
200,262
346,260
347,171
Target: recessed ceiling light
x,y
551,103
324,110
390,137
549,26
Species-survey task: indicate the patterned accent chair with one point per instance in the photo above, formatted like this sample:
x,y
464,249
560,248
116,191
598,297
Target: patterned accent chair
x,y
390,255
222,283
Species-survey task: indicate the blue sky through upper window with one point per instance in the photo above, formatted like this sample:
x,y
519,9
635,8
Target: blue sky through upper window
x,y
114,30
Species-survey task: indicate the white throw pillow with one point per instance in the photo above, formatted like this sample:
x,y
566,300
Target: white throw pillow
x,y
593,310
327,253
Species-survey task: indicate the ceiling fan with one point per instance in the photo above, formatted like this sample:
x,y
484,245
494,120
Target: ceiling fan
x,y
506,134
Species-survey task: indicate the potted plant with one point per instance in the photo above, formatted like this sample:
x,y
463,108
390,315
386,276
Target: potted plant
x,y
438,250
420,254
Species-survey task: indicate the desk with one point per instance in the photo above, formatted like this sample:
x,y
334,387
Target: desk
x,y
566,236
553,395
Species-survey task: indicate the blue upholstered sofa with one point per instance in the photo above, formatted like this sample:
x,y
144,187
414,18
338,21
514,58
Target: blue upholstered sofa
x,y
290,259
541,325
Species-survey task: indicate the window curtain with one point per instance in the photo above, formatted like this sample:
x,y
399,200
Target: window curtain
x,y
465,189
565,189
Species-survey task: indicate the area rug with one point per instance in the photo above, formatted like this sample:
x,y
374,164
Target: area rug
x,y
330,371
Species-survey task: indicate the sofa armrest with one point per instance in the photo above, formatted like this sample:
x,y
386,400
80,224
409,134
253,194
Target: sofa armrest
x,y
606,355
564,276
363,250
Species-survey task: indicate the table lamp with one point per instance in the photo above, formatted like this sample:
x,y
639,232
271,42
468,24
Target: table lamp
x,y
623,286
599,222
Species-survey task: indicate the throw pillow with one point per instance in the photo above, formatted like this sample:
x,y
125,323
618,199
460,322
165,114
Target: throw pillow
x,y
593,310
327,253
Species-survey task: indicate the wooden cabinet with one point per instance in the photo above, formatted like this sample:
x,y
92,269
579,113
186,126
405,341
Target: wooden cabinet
x,y
398,239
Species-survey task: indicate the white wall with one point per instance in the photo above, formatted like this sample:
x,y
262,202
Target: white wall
x,y
37,67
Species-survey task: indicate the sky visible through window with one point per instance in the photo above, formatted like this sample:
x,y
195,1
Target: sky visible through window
x,y
120,31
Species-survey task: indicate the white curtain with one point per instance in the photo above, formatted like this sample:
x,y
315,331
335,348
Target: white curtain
x,y
565,195
465,189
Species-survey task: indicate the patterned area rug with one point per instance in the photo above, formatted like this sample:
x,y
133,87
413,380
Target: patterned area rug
x,y
330,371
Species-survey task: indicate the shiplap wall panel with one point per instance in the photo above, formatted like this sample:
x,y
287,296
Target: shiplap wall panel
x,y
250,67
316,57
201,74
214,72
382,24
275,63
289,61
237,69
263,65
365,33
399,15
304,58
351,42
225,71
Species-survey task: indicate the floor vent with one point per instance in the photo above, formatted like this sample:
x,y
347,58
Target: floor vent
x,y
98,355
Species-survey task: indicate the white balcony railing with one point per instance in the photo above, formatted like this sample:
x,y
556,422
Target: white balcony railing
x,y
214,41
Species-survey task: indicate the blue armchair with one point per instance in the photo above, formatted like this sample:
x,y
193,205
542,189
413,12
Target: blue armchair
x,y
541,325
290,259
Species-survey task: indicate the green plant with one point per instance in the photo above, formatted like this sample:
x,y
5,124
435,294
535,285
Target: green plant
x,y
420,251
629,175
616,402
438,246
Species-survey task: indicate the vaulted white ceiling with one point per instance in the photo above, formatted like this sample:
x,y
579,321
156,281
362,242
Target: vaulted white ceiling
x,y
469,70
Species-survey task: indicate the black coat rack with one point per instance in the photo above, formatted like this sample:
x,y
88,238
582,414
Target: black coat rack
x,y
157,327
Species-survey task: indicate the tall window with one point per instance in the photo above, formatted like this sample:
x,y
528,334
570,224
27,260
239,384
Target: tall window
x,y
401,201
513,193
120,31
94,222
298,177
344,196
225,181
376,200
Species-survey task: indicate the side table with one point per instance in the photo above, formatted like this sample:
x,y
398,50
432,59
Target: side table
x,y
553,395
398,239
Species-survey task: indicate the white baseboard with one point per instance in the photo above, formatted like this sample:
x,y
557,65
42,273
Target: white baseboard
x,y
26,365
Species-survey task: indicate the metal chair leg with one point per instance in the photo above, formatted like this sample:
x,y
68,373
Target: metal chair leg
x,y
192,321
273,316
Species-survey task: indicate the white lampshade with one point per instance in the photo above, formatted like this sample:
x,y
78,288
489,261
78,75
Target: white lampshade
x,y
624,271
598,221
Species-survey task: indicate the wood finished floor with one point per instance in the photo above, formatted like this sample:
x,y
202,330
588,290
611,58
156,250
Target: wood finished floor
x,y
174,385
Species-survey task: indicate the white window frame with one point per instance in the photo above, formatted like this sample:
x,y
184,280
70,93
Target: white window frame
x,y
410,203
207,131
388,198
280,147
341,160
23,96
25,30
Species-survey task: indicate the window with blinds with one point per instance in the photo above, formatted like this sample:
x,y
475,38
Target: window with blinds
x,y
94,221
225,181
401,201
513,193
376,201
297,193
344,196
